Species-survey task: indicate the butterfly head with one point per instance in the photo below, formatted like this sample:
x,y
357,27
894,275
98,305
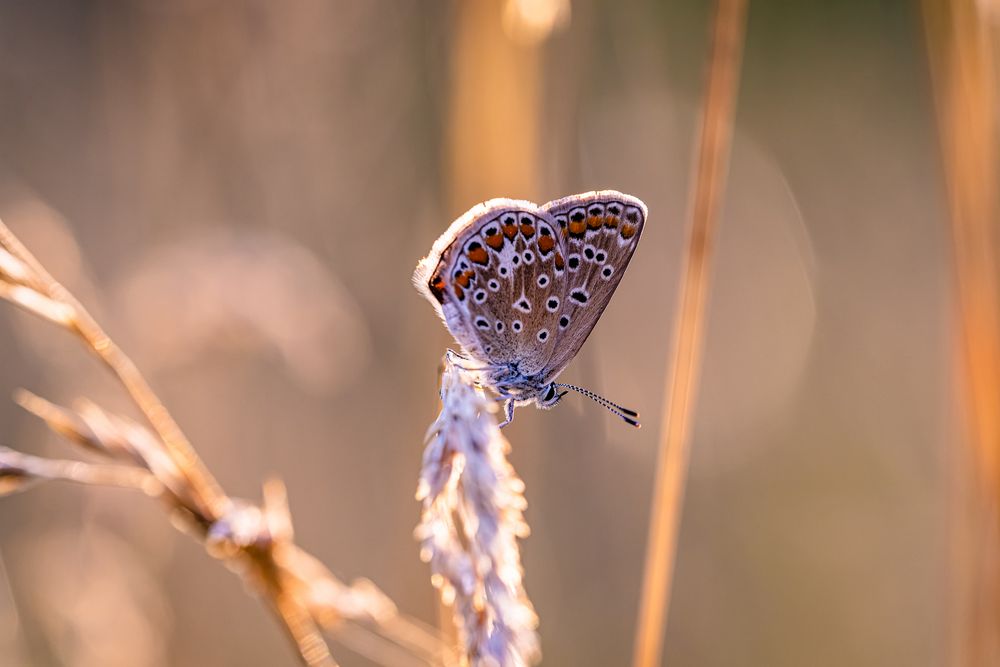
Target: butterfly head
x,y
549,396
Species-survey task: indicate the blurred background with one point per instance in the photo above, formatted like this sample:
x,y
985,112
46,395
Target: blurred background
x,y
240,190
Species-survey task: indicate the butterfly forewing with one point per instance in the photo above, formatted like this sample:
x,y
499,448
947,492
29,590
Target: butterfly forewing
x,y
499,282
599,232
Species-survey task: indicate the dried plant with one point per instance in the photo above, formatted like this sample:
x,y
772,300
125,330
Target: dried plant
x,y
714,142
473,504
255,541
963,49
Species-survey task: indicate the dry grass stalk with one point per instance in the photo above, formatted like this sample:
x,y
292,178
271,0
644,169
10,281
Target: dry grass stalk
x,y
962,42
473,504
20,471
30,286
254,541
685,360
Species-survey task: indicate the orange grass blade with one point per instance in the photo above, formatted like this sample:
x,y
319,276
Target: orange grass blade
x,y
685,360
962,50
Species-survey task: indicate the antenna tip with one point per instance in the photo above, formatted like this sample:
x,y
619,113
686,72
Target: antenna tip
x,y
632,422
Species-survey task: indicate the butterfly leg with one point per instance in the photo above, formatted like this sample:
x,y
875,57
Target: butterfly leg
x,y
508,410
452,356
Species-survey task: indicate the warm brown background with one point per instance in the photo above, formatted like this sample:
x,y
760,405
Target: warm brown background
x,y
240,191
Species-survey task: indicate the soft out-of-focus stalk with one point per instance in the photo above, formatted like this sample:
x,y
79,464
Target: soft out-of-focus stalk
x,y
962,45
684,362
493,114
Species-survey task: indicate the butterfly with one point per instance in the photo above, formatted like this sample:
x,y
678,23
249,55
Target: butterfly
x,y
521,286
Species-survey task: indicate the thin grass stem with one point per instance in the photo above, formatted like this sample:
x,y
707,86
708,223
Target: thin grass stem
x,y
710,172
961,48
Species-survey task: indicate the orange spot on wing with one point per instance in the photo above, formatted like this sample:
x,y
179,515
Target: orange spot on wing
x,y
479,256
611,221
459,292
437,286
527,230
577,227
628,231
546,244
559,261
595,222
463,280
510,231
495,241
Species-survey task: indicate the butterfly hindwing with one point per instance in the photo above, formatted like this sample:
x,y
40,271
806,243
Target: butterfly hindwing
x,y
599,231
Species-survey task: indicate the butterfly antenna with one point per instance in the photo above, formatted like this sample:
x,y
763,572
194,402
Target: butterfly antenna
x,y
626,414
599,399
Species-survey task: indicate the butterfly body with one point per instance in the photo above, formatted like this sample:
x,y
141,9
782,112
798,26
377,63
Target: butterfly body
x,y
521,286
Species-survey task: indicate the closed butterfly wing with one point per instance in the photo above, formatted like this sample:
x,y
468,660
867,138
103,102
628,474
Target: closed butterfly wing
x,y
496,277
599,232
